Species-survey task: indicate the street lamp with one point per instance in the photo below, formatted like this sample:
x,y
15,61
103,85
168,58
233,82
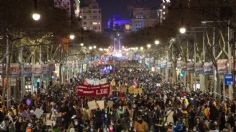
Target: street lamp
x,y
81,44
36,16
141,48
157,42
182,30
90,47
100,49
94,46
149,46
72,36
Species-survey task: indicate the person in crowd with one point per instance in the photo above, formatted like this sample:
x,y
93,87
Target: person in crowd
x,y
140,125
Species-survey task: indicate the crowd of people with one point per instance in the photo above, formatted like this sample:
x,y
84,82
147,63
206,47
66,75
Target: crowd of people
x,y
161,107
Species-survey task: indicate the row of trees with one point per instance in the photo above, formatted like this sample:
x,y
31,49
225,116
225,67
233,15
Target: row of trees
x,y
23,40
48,33
210,41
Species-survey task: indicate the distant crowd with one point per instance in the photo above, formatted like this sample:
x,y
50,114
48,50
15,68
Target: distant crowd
x,y
161,107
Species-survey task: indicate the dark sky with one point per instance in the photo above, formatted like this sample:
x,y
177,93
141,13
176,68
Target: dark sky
x,y
120,7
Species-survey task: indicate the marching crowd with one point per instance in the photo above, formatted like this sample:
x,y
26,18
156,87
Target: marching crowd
x,y
161,107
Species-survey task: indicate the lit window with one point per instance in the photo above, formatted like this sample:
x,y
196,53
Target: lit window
x,y
94,23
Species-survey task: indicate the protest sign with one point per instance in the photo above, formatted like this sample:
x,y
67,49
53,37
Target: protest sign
x,y
92,105
96,90
100,104
110,104
38,112
133,90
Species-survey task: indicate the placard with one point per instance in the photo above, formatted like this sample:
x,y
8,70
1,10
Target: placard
x,y
208,68
38,112
14,69
199,68
93,90
27,70
101,104
45,69
110,104
37,70
92,105
133,90
190,67
222,65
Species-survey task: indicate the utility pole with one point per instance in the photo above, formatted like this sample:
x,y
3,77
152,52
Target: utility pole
x,y
22,73
8,88
230,58
33,67
60,67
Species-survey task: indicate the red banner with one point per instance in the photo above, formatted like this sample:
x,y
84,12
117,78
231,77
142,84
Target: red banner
x,y
96,90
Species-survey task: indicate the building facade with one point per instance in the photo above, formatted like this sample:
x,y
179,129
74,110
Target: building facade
x,y
163,10
143,17
91,16
71,6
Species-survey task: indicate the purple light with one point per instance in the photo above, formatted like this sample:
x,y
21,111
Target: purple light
x,y
117,21
28,102
121,22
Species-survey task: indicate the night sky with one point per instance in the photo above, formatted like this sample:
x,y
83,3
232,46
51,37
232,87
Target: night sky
x,y
120,7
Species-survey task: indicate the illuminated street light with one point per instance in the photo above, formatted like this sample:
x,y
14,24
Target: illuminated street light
x,y
81,44
157,42
36,16
94,46
141,48
149,46
182,30
72,36
90,47
100,49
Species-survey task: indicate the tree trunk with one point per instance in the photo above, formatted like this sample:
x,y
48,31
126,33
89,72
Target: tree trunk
x,y
174,75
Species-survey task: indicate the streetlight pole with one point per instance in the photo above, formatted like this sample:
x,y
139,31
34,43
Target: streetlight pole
x,y
230,59
36,16
8,88
22,73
